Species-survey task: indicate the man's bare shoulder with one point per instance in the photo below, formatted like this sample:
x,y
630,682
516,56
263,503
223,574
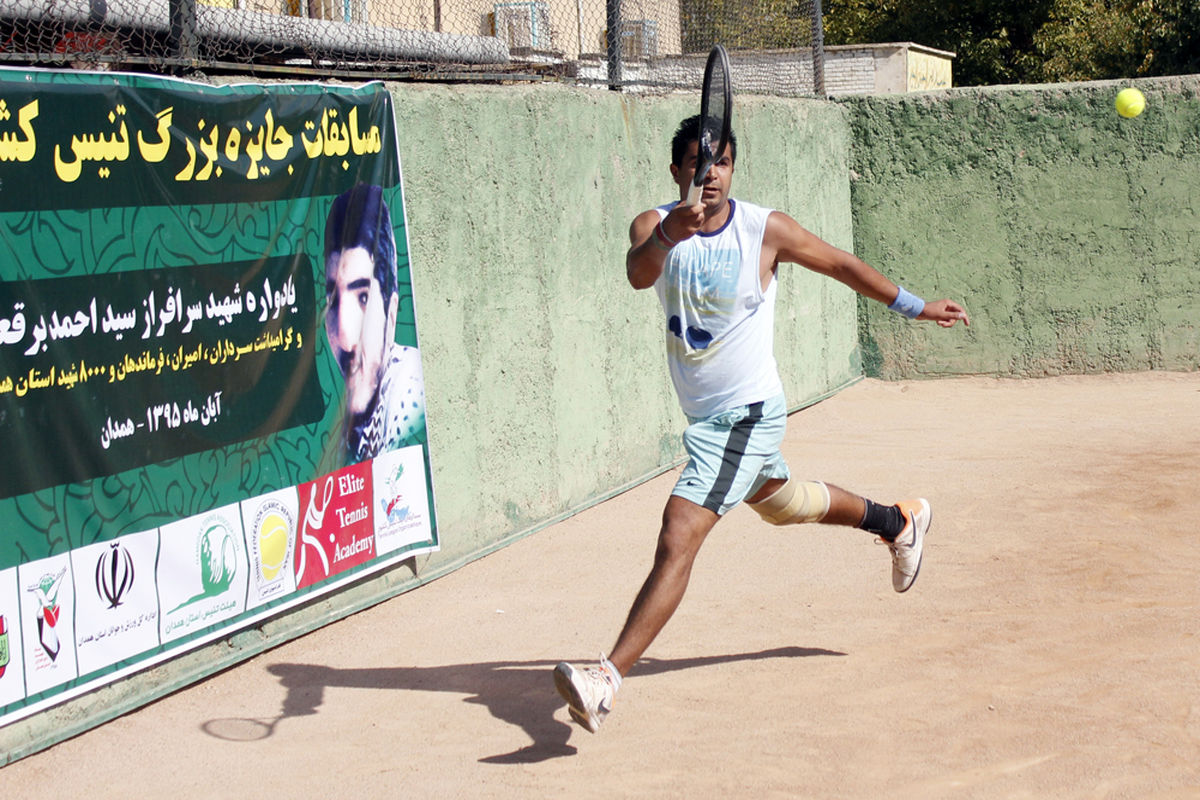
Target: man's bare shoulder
x,y
642,224
780,223
785,228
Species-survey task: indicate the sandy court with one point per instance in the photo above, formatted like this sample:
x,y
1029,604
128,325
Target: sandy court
x,y
1049,648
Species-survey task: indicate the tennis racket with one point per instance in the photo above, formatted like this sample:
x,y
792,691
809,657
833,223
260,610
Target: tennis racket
x,y
716,103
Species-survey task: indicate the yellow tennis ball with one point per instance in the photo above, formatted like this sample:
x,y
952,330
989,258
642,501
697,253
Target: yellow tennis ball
x,y
1130,102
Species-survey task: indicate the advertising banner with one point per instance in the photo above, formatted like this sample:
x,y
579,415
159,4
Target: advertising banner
x,y
211,394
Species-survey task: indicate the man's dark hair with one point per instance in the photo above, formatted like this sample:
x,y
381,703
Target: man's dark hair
x,y
360,218
689,131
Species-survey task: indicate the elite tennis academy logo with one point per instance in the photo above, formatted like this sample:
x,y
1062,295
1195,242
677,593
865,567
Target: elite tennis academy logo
x,y
337,532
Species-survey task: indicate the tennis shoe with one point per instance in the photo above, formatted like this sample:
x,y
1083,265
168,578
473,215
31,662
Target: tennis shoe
x,y
909,545
588,691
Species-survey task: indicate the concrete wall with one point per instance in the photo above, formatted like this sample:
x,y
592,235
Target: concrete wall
x,y
546,375
1071,234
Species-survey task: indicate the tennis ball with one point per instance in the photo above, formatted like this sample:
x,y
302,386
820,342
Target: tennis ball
x,y
1130,103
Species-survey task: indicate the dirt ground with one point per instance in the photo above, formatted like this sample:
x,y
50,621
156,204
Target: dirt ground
x,y
1049,648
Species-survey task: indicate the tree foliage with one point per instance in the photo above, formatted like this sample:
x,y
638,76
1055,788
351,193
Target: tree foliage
x,y
1089,39
1032,41
745,24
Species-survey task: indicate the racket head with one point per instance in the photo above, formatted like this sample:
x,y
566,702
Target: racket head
x,y
716,106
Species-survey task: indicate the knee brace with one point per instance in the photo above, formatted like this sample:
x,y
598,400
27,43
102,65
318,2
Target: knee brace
x,y
795,501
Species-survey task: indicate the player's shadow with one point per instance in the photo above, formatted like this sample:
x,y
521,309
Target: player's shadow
x,y
518,692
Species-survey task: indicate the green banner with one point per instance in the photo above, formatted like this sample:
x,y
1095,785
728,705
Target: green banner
x,y
111,372
211,395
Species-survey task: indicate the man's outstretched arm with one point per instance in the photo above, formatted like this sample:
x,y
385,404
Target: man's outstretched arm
x,y
787,240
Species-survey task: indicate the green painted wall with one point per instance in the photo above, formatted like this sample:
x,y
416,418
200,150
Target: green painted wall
x,y
545,371
1071,234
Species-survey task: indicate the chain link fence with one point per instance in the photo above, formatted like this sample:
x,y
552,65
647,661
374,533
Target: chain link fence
x,y
631,45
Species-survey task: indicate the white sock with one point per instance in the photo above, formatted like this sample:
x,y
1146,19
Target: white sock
x,y
613,675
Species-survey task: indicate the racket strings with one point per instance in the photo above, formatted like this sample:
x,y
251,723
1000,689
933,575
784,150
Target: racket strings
x,y
716,99
716,102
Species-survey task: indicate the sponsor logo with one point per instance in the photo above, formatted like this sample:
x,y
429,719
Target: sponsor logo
x,y
114,574
4,652
392,504
217,557
272,539
46,593
336,532
314,520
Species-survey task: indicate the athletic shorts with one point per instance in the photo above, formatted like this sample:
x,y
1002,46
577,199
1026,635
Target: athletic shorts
x,y
732,454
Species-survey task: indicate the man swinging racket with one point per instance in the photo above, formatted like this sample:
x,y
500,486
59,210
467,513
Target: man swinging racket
x,y
713,265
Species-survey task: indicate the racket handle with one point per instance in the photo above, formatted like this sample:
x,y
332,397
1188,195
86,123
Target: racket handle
x,y
693,195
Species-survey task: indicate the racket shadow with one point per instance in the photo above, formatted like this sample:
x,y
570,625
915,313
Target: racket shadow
x,y
520,693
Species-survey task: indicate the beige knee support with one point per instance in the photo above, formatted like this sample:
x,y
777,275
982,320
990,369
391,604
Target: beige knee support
x,y
795,501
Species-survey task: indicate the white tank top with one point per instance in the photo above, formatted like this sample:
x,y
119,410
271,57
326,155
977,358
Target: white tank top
x,y
720,323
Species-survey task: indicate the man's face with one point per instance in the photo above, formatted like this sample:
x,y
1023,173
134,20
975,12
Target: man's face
x,y
716,184
359,324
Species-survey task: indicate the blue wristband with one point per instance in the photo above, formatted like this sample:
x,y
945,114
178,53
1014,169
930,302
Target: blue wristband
x,y
908,304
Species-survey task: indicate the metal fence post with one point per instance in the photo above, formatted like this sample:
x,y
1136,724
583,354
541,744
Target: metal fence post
x,y
184,38
818,50
612,41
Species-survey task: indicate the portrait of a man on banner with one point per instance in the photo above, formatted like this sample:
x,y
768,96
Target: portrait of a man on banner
x,y
385,395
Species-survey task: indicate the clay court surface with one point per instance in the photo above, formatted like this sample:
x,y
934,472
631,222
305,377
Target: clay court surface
x,y
1048,650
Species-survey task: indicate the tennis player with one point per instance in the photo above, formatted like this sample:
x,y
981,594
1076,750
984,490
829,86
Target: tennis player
x,y
713,266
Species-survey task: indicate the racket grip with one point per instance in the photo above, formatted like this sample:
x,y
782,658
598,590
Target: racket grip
x,y
693,195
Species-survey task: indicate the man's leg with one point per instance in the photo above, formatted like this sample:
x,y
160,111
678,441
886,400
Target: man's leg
x,y
845,508
684,529
589,690
728,453
901,526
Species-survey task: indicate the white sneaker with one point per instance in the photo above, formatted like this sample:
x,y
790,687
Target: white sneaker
x,y
910,544
588,691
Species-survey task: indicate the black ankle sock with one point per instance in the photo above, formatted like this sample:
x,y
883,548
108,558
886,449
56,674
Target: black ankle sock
x,y
886,522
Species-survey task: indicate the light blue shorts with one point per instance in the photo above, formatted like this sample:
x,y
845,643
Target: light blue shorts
x,y
732,454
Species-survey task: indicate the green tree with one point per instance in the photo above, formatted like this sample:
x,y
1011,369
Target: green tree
x,y
745,24
1013,41
993,40
1094,39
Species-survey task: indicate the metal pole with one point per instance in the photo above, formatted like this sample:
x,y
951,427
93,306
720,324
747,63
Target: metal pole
x,y
183,29
612,41
818,50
